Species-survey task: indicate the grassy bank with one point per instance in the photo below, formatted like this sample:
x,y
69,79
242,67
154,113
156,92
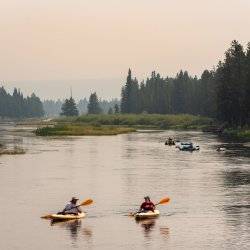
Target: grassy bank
x,y
142,120
242,134
105,124
77,130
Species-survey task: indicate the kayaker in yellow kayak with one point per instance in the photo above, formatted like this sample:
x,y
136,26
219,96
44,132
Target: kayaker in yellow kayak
x,y
71,207
147,205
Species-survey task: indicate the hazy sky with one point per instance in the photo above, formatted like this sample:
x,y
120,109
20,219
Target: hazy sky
x,y
48,45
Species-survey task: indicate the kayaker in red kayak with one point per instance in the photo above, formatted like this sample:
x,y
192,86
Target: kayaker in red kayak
x,y
147,205
71,207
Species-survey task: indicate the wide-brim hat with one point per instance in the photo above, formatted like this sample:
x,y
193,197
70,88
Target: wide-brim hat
x,y
74,199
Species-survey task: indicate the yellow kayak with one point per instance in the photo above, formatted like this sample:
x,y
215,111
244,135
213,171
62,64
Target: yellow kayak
x,y
147,215
61,217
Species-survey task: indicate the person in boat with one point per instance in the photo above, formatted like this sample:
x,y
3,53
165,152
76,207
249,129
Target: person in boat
x,y
71,207
169,141
147,205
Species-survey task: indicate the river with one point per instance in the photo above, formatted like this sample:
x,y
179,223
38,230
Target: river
x,y
209,191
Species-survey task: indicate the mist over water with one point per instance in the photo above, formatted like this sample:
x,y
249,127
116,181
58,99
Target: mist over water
x,y
209,191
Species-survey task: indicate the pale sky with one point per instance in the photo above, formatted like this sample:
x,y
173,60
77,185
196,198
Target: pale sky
x,y
47,46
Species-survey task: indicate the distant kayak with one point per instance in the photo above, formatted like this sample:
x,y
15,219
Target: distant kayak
x,y
62,217
147,215
187,146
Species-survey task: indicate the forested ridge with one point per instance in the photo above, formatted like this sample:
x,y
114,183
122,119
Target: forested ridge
x,y
17,106
222,93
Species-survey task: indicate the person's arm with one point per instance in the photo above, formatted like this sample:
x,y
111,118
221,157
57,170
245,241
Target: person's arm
x,y
79,209
67,208
153,205
141,207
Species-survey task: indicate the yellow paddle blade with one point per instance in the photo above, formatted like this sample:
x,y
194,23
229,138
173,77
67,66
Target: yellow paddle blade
x,y
86,202
163,201
48,216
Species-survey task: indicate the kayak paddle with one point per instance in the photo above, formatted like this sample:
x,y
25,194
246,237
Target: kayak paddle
x,y
161,202
84,203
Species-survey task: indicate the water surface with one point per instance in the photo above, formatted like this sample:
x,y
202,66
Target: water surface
x,y
209,191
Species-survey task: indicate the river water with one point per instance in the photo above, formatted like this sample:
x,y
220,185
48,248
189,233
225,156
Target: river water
x,y
209,191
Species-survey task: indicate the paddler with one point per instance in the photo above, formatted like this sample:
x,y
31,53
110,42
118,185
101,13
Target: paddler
x,y
147,205
71,207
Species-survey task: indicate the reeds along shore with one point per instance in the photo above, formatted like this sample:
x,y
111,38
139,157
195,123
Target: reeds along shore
x,y
152,120
118,124
78,130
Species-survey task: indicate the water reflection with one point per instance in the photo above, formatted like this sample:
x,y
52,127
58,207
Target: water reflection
x,y
164,232
237,207
209,190
236,177
147,225
74,227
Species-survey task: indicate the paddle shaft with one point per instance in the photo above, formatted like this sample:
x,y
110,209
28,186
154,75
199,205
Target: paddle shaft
x,y
73,207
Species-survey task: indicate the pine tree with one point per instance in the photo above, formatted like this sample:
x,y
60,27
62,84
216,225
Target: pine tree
x,y
69,108
93,105
130,95
247,87
231,81
16,106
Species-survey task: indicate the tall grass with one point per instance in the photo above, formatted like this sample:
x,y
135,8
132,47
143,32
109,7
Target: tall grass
x,y
243,134
76,129
150,120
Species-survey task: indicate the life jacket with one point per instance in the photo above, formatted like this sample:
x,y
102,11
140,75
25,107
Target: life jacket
x,y
148,206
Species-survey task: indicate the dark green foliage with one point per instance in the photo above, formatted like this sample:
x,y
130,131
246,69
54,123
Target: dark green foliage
x,y
223,93
145,120
53,108
69,108
233,86
93,105
130,95
16,106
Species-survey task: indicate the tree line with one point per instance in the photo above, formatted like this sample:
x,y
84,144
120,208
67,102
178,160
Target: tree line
x,y
15,105
222,93
92,105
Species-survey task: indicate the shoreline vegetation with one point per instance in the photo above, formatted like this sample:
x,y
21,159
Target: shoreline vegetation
x,y
104,124
113,124
239,134
15,151
81,130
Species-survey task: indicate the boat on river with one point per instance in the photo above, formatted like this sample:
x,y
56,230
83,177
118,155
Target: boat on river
x,y
147,215
170,142
188,146
65,217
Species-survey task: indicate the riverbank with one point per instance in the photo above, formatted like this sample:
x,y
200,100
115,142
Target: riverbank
x,y
240,134
156,121
104,124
